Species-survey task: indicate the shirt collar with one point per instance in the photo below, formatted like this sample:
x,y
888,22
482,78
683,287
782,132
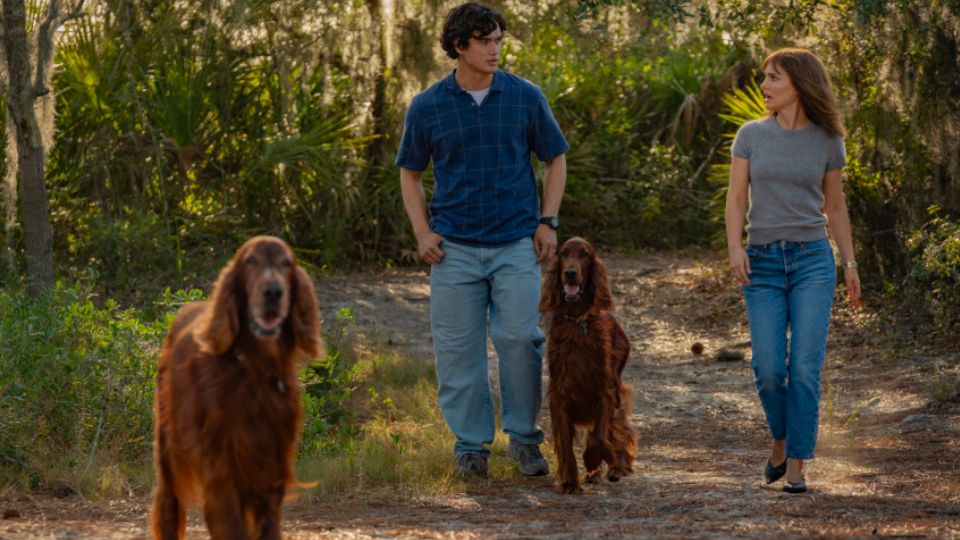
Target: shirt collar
x,y
450,83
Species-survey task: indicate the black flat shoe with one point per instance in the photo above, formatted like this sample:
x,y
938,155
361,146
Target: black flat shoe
x,y
800,487
771,474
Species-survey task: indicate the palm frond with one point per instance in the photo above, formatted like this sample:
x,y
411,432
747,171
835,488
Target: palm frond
x,y
742,106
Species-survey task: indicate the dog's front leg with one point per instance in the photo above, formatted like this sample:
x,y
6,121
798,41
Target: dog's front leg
x,y
267,511
222,512
563,431
598,448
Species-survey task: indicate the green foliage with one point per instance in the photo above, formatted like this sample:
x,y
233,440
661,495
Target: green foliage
x,y
76,386
183,128
672,11
936,267
204,140
742,105
328,387
639,125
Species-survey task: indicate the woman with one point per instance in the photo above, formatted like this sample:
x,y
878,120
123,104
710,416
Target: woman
x,y
790,163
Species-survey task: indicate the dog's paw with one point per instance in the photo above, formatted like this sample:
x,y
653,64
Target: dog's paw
x,y
592,477
594,456
569,488
616,473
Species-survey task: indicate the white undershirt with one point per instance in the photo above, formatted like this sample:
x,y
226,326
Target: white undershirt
x,y
478,95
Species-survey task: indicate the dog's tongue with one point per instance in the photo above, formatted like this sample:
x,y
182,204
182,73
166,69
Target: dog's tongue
x,y
571,290
268,322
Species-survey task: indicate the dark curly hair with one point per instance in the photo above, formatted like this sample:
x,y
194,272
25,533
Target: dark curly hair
x,y
466,21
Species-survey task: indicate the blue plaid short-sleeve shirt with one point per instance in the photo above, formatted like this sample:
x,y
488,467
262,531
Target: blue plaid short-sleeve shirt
x,y
485,192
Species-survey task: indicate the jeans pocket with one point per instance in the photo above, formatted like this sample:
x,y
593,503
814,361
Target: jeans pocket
x,y
755,252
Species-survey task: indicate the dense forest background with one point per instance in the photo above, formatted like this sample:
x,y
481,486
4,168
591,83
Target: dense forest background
x,y
183,127
177,129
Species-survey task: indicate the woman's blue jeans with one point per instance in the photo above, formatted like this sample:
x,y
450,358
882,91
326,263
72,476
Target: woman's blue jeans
x,y
791,287
468,283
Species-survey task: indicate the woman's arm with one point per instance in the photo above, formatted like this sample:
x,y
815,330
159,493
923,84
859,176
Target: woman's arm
x,y
735,216
835,207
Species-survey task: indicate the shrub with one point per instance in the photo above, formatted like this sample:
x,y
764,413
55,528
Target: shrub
x,y
935,248
76,384
328,386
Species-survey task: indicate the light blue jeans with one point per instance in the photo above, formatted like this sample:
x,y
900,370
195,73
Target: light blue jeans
x,y
791,286
468,283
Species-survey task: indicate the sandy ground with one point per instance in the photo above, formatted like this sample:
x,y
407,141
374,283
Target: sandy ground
x,y
888,458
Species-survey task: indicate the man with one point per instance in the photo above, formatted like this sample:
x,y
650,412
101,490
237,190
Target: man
x,y
486,234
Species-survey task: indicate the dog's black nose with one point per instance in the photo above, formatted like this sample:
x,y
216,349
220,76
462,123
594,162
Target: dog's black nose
x,y
570,273
272,293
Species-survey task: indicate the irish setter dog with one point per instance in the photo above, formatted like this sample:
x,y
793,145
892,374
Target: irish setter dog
x,y
587,350
227,408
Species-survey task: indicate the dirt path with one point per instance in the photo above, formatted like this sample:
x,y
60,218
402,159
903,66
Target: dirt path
x,y
889,454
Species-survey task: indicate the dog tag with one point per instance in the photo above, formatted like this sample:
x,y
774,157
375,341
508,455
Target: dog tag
x,y
281,387
583,328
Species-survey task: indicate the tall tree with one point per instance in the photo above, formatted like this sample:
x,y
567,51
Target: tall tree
x,y
29,68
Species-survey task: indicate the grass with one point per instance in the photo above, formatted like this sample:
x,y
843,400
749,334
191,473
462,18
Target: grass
x,y
402,443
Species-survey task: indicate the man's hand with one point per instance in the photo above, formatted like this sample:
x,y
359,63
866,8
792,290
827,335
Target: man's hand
x,y
429,246
544,242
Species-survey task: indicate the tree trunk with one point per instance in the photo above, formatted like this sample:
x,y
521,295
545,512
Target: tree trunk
x,y
28,82
378,103
9,199
20,97
36,217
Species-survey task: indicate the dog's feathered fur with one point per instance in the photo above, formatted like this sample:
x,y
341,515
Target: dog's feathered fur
x,y
587,350
227,407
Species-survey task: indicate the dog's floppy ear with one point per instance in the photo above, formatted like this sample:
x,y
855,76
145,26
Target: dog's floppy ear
x,y
550,287
600,283
306,321
223,320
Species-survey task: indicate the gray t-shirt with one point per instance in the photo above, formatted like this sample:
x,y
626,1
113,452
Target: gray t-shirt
x,y
786,179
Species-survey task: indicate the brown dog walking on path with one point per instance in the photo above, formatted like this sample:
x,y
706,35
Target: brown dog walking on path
x,y
587,350
227,408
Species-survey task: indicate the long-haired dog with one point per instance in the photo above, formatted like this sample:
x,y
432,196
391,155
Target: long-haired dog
x,y
587,350
227,408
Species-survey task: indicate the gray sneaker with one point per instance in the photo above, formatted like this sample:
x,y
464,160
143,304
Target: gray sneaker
x,y
532,462
472,464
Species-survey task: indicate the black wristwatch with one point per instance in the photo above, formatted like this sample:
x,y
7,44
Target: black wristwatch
x,y
550,221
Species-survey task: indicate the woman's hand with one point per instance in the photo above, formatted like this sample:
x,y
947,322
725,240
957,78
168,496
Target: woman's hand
x,y
740,265
852,279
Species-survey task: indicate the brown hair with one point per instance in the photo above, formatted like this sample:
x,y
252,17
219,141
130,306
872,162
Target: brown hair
x,y
810,79
466,21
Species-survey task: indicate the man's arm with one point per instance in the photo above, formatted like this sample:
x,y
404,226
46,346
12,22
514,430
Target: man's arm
x,y
554,182
415,203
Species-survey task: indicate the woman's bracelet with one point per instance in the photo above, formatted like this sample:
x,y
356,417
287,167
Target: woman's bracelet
x,y
849,264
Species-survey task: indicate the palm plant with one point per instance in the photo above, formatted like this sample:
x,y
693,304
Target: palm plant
x,y
742,106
